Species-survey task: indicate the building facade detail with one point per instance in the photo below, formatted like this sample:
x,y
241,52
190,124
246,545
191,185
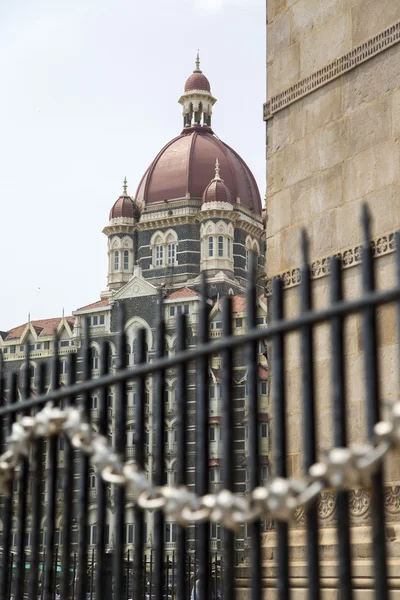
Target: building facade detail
x,y
184,219
379,43
350,257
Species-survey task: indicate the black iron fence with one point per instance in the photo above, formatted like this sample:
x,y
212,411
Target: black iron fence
x,y
57,564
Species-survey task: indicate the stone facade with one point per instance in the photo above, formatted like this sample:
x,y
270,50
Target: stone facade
x,y
332,116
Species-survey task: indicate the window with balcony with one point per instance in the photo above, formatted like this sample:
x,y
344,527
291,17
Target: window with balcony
x,y
214,474
129,533
215,531
130,435
170,532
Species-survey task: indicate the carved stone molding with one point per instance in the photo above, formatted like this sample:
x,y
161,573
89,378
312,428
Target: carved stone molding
x,y
326,505
387,38
359,503
392,500
384,244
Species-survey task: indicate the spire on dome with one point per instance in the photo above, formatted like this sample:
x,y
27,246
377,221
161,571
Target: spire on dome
x,y
217,173
197,69
125,188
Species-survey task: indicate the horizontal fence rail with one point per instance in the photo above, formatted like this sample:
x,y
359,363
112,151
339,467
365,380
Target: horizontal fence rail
x,y
63,472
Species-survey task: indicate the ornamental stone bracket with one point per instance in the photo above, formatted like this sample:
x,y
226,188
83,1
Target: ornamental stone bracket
x,y
387,38
350,257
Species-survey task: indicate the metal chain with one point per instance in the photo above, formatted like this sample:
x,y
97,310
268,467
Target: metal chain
x,y
343,469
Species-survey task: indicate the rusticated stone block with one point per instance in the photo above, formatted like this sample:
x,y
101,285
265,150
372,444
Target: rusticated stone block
x,y
371,170
370,17
328,42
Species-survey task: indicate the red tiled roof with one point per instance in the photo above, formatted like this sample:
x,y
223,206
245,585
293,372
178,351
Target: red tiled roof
x,y
98,304
42,327
182,293
217,374
214,419
238,304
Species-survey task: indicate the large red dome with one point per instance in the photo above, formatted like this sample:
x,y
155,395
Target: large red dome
x,y
186,165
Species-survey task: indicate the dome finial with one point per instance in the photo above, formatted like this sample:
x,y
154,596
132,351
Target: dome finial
x,y
125,188
217,173
197,69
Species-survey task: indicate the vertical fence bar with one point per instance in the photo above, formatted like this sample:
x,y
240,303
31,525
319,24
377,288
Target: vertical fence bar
x,y
138,567
202,450
373,413
83,497
67,492
120,448
252,406
101,486
22,493
159,452
73,577
181,425
310,441
340,431
51,489
227,443
280,438
2,431
5,580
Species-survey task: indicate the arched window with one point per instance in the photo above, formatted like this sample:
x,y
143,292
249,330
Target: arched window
x,y
171,250
94,359
159,255
128,354
130,435
229,247
220,245
126,260
116,260
210,246
247,259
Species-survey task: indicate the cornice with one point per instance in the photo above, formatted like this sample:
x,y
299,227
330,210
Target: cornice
x,y
387,38
350,257
119,228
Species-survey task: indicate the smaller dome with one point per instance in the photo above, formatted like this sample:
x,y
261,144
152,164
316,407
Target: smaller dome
x,y
197,81
216,191
124,207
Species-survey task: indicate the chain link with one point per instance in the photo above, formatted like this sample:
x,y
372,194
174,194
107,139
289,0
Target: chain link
x,y
343,469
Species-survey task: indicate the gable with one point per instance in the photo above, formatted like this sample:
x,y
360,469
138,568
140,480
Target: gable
x,y
135,288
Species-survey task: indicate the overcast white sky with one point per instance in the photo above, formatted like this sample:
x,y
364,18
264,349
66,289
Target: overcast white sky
x,y
89,92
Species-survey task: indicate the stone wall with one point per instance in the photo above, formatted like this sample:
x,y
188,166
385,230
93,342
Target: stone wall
x,y
333,121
